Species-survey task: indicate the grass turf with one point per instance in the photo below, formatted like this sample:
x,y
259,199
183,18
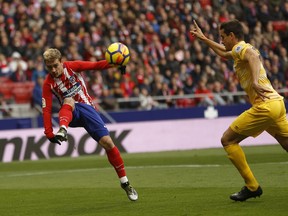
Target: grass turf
x,y
195,182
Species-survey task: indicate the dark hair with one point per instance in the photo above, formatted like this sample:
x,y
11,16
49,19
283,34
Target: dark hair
x,y
233,26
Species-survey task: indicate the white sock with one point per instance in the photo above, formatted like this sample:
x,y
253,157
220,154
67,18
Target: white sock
x,y
63,126
123,179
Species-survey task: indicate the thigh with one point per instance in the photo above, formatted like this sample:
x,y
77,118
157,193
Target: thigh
x,y
279,127
253,121
76,120
86,116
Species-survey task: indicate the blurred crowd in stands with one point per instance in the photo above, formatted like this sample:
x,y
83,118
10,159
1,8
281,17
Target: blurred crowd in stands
x,y
165,59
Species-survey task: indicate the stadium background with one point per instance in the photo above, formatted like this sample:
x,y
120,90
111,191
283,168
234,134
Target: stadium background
x,y
169,76
164,56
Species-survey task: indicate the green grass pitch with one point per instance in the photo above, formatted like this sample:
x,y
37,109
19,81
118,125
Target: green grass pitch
x,y
181,183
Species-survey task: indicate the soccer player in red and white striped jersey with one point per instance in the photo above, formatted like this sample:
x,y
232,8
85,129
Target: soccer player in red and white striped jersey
x,y
77,110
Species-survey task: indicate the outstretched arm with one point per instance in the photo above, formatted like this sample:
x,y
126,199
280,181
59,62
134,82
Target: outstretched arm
x,y
216,47
80,66
47,113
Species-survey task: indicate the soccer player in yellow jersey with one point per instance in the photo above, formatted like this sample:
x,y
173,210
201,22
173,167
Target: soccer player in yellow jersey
x,y
268,111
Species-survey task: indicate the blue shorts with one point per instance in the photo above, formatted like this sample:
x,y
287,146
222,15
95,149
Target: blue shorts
x,y
87,117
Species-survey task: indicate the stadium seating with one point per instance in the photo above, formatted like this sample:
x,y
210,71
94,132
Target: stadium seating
x,y
280,25
18,92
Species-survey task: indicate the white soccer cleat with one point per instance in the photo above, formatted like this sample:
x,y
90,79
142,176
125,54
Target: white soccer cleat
x,y
130,191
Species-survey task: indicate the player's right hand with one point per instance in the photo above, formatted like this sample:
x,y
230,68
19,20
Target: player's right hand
x,y
197,32
122,69
54,140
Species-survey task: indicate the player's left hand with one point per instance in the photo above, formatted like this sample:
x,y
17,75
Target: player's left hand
x,y
122,69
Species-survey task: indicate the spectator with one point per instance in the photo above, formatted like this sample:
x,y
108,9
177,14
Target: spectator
x,y
166,93
234,7
37,96
234,99
135,104
5,47
18,67
156,38
250,12
197,73
147,102
263,14
96,85
283,61
4,68
5,110
285,10
203,94
218,90
38,71
37,93
127,85
275,74
108,101
188,86
184,102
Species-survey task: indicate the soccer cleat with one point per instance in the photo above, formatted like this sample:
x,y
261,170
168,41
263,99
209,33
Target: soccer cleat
x,y
130,191
245,194
62,134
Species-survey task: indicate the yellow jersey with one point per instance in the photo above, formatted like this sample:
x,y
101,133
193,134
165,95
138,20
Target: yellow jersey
x,y
244,76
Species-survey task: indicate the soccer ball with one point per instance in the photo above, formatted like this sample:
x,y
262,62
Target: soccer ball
x,y
117,54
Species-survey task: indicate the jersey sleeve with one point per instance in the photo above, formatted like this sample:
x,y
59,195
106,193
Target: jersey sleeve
x,y
79,66
47,109
238,52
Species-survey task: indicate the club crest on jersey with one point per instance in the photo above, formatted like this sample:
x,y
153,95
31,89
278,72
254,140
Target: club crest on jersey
x,y
72,79
238,49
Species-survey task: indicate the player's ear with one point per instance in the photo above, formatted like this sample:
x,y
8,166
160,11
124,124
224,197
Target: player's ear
x,y
232,34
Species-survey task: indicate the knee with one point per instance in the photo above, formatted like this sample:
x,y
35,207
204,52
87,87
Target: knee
x,y
106,142
285,146
283,141
70,101
224,140
230,137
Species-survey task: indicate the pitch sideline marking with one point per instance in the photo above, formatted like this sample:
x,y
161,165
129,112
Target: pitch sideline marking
x,y
107,168
127,167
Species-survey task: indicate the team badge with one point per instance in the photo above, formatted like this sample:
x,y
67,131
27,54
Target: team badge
x,y
238,49
72,79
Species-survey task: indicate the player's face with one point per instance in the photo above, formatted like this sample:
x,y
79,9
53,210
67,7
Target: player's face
x,y
226,40
55,67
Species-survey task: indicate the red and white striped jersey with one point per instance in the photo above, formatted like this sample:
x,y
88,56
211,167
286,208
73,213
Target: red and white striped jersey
x,y
69,84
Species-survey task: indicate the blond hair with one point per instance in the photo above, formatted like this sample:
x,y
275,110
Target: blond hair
x,y
51,55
